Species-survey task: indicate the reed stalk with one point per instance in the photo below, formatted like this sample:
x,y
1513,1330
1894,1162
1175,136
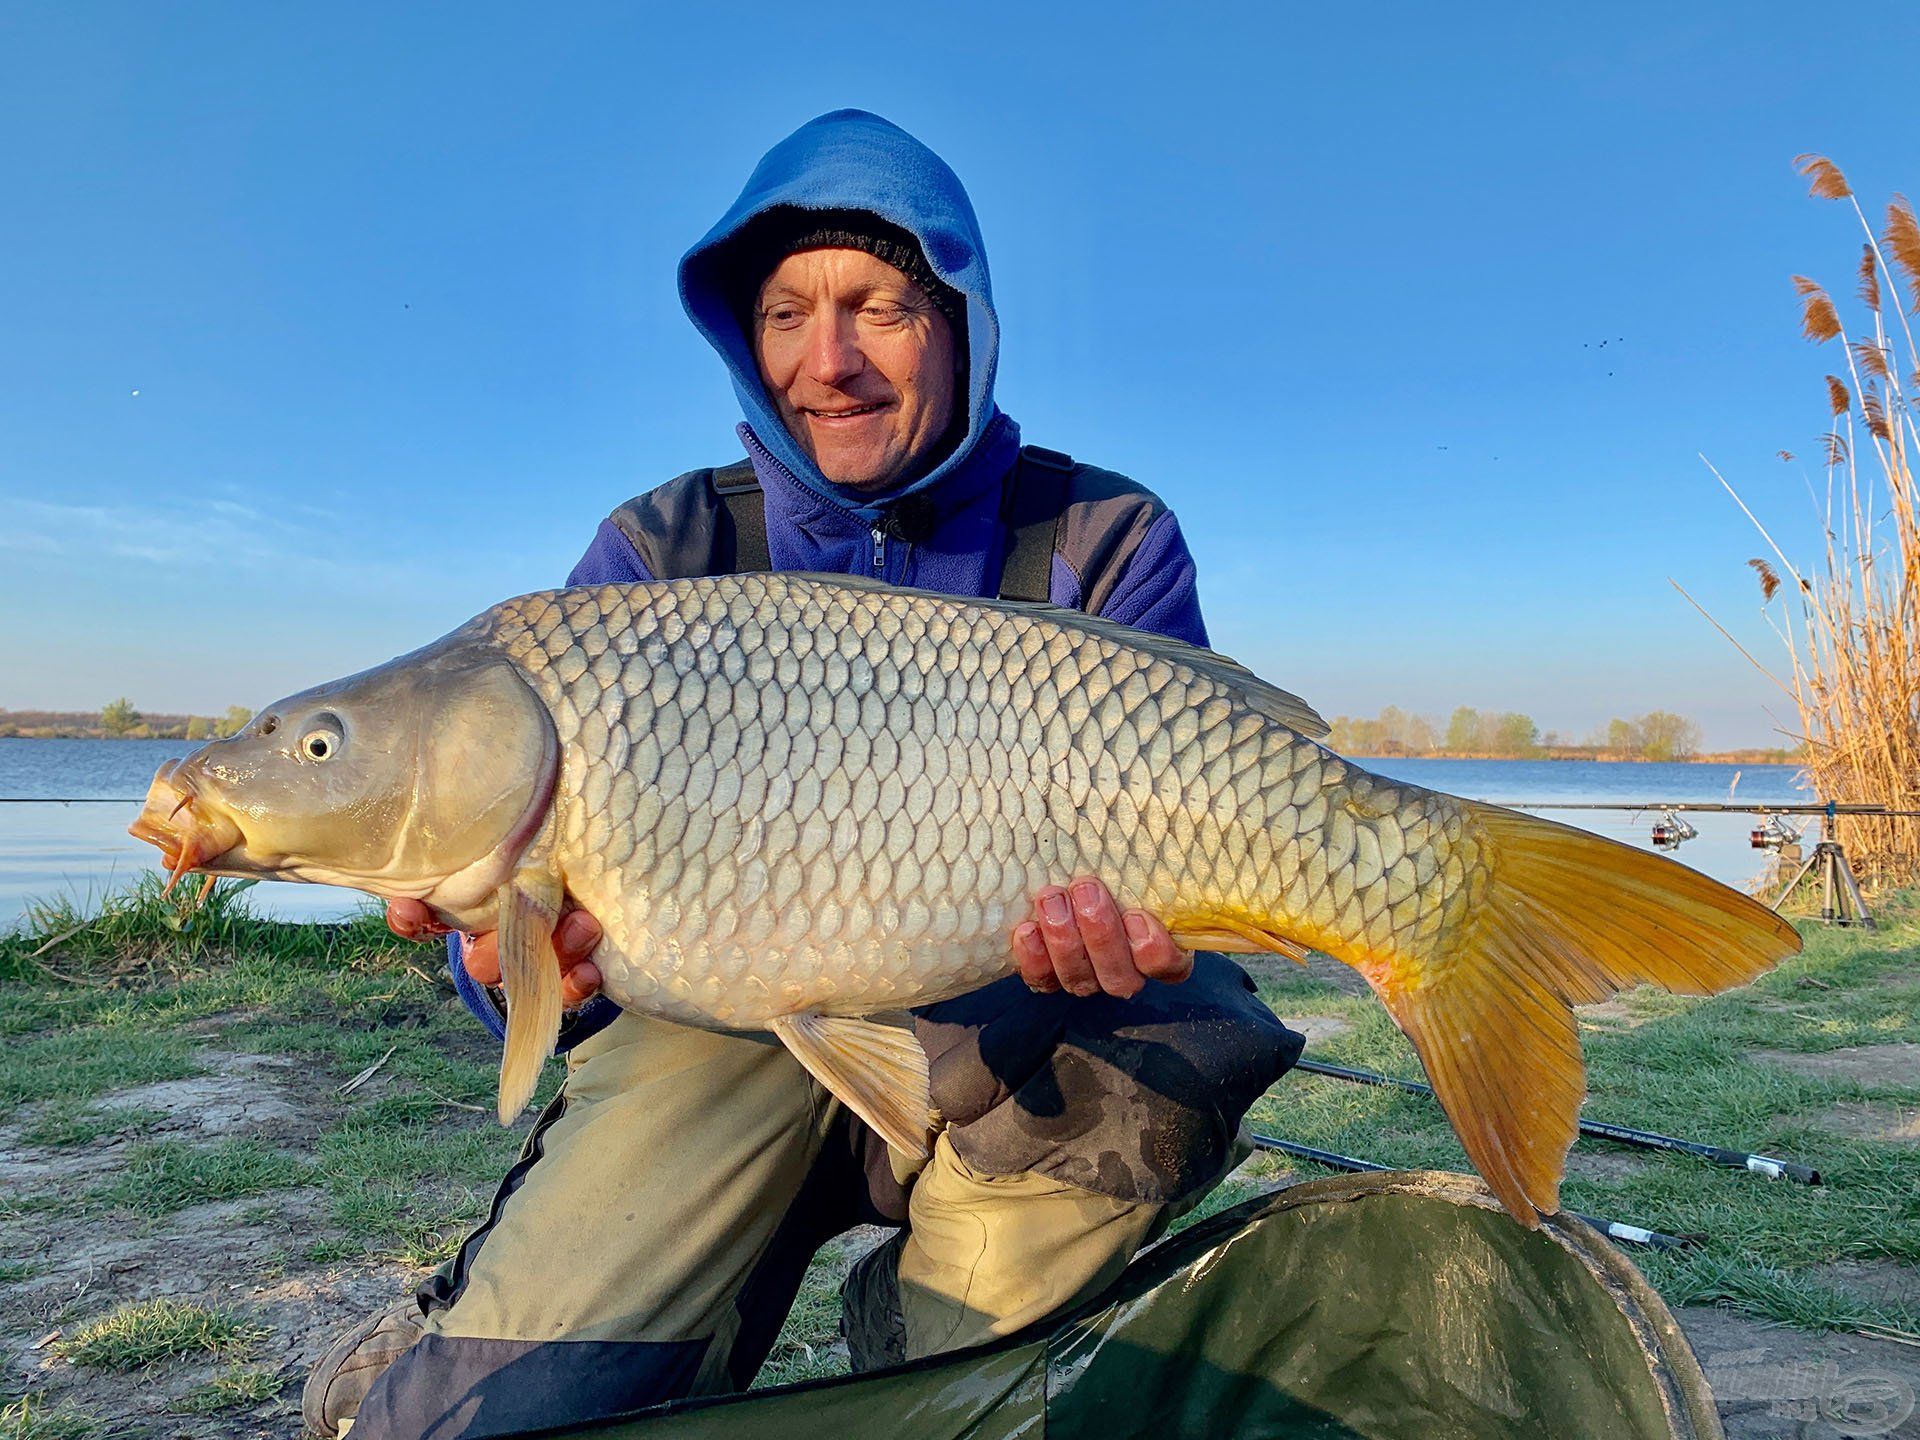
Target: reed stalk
x,y
1850,621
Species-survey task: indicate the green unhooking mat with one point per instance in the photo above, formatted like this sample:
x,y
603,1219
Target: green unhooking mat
x,y
1386,1306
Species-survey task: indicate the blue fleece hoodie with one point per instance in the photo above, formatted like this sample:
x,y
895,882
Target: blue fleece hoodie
x,y
852,160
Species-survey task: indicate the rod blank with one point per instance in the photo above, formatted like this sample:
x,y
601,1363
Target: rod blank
x,y
1770,1166
1612,1229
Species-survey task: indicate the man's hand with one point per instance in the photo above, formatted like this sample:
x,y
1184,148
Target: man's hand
x,y
1079,941
574,939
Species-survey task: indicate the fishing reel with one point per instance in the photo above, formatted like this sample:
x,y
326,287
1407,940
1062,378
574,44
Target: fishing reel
x,y
1670,832
1773,833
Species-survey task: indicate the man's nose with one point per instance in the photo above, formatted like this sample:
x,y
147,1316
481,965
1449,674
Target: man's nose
x,y
833,349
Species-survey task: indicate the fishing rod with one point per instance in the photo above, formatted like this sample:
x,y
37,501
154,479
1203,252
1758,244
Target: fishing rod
x,y
1767,1165
1841,900
1612,1229
1713,807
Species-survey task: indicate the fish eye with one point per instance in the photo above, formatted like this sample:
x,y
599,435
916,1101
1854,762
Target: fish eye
x,y
324,739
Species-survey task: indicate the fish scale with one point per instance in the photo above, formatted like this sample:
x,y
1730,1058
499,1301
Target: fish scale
x,y
842,712
798,803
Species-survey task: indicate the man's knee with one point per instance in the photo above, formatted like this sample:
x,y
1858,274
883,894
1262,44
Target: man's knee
x,y
986,1255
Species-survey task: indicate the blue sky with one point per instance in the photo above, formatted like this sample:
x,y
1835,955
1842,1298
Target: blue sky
x,y
395,288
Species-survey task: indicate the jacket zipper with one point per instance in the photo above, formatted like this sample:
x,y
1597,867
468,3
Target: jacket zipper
x,y
879,553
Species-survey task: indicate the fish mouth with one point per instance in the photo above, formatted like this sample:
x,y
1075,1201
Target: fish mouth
x,y
190,830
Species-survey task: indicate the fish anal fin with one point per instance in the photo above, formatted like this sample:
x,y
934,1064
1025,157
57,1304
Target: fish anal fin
x,y
876,1070
529,909
1232,933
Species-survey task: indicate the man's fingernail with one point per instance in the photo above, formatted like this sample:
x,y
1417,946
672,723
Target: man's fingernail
x,y
1085,988
1086,895
1054,906
1137,929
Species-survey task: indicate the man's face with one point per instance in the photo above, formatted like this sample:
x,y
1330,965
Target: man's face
x,y
857,361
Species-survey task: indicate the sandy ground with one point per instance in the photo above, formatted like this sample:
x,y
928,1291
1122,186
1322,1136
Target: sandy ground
x,y
249,1255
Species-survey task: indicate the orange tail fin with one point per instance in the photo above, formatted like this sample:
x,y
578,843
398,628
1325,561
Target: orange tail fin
x,y
1568,918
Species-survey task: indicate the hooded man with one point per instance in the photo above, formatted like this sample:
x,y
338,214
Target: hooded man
x,y
649,1241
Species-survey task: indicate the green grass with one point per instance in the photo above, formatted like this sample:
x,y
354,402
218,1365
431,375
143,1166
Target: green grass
x,y
1691,1068
144,985
808,1346
82,1064
136,1336
170,1175
140,928
231,1389
405,1171
67,1121
28,1419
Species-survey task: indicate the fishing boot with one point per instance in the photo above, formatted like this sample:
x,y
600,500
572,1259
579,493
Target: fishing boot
x,y
344,1375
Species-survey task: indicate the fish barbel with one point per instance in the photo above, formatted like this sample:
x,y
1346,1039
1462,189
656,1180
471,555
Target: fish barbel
x,y
798,803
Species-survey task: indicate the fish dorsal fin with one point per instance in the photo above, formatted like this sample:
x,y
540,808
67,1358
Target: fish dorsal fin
x,y
876,1070
1270,700
529,910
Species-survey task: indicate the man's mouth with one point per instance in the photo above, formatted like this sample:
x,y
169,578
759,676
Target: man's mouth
x,y
845,412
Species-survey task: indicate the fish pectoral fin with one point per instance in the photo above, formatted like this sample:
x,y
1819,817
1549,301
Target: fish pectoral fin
x,y
876,1070
530,971
1231,934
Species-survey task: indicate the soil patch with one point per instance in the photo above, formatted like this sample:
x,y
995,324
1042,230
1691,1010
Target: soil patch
x,y
1614,1014
1316,1028
1896,1064
1344,978
245,1256
1605,1168
240,1096
1870,1120
1886,1281
1770,1381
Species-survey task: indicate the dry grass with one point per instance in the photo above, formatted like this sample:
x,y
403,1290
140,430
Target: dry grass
x,y
1850,622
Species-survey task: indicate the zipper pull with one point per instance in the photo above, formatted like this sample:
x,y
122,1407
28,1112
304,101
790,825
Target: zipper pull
x,y
879,553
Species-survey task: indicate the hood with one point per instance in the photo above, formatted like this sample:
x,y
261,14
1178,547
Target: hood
x,y
853,160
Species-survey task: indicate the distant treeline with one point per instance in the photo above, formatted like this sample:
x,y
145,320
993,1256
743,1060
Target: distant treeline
x,y
118,720
1509,735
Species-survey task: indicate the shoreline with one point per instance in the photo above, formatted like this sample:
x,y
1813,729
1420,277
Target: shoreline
x,y
1722,757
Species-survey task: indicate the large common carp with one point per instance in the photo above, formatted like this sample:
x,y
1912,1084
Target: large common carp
x,y
797,803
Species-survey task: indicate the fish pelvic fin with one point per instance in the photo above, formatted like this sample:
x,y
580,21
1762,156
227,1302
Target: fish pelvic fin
x,y
529,909
875,1069
1567,918
1231,932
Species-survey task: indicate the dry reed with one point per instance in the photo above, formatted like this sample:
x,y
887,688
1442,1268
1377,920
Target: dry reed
x,y
1851,622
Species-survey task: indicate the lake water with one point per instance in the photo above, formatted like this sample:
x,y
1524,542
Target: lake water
x,y
84,850
48,848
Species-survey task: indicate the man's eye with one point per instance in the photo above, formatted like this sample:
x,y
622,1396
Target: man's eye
x,y
782,317
883,314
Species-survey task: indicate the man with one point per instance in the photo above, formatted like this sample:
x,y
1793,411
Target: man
x,y
652,1235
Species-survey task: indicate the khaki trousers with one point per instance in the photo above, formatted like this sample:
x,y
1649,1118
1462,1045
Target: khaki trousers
x,y
661,1191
